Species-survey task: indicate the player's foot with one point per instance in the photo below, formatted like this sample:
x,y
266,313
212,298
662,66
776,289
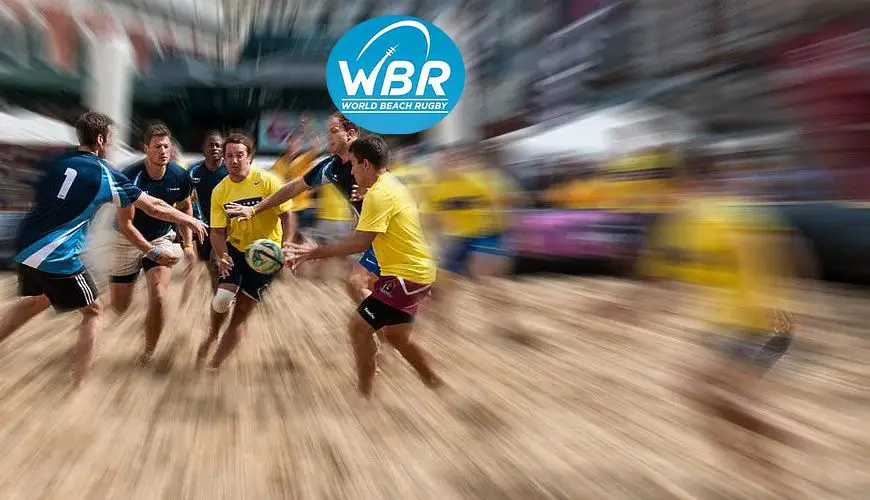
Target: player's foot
x,y
145,358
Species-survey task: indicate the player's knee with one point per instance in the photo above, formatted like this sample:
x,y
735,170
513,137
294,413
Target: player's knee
x,y
222,301
94,310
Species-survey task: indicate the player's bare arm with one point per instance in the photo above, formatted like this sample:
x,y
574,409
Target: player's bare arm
x,y
288,227
126,227
186,206
159,209
219,245
287,192
357,242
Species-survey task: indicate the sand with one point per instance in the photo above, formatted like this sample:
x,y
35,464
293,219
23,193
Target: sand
x,y
573,407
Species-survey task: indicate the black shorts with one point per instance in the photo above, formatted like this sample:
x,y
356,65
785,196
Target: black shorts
x,y
378,314
758,351
250,282
203,250
66,292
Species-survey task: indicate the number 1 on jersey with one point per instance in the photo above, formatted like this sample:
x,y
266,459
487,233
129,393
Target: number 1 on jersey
x,y
70,175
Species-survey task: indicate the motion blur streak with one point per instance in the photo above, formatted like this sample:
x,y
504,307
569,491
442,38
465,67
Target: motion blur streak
x,y
651,225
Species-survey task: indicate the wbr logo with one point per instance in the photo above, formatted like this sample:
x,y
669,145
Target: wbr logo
x,y
395,75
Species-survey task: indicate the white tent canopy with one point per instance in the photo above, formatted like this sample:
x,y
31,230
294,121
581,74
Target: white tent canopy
x,y
595,134
25,128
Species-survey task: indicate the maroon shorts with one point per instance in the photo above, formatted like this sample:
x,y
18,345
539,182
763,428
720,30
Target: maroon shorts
x,y
399,293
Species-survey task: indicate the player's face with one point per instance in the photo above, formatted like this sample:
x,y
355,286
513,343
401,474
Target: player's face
x,y
211,149
238,160
159,150
337,138
363,171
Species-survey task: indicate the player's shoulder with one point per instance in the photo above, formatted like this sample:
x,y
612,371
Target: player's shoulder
x,y
177,170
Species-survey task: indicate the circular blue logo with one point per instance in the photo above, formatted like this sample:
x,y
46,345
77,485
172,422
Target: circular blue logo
x,y
395,75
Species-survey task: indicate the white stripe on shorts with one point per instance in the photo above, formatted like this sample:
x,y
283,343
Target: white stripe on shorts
x,y
86,290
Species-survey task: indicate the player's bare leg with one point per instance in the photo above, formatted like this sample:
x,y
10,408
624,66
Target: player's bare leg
x,y
237,328
22,311
359,286
359,283
121,296
365,350
92,320
216,322
399,336
157,279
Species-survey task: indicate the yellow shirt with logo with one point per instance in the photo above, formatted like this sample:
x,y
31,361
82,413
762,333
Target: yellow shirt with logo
x,y
389,211
468,203
289,169
257,186
722,246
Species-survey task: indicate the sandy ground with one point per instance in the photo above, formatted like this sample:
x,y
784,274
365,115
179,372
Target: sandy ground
x,y
576,408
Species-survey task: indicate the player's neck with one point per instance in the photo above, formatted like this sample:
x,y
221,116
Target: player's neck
x,y
240,177
212,166
345,157
156,172
86,149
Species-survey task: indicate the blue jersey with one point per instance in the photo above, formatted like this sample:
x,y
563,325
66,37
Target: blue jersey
x,y
51,238
204,181
334,171
173,188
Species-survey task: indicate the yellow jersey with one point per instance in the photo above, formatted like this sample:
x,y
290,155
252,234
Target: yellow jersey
x,y
468,203
288,169
389,210
720,246
332,205
254,188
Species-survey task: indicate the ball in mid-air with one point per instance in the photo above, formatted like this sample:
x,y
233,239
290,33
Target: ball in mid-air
x,y
264,256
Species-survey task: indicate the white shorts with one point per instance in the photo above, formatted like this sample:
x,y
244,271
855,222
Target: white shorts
x,y
128,260
331,231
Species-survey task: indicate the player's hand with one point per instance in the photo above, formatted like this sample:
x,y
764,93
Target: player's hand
x,y
224,264
191,258
165,258
357,193
297,253
241,212
198,227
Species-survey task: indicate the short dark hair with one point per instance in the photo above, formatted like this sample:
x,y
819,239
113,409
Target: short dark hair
x,y
90,125
211,133
372,148
240,138
156,129
346,124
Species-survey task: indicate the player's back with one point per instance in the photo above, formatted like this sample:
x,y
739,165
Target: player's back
x,y
73,187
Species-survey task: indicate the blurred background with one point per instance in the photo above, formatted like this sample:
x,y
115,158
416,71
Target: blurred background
x,y
579,112
581,102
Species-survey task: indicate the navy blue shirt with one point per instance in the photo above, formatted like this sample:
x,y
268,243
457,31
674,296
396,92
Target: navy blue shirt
x,y
174,187
204,181
74,185
333,170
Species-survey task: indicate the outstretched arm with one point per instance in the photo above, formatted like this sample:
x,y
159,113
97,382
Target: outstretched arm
x,y
159,209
